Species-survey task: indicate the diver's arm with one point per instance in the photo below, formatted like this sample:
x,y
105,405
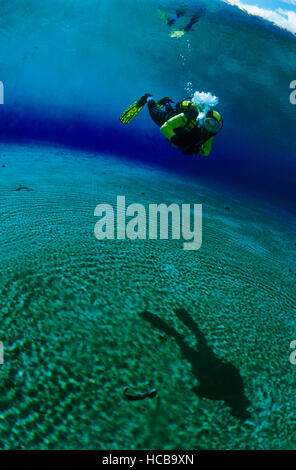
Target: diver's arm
x,y
168,128
207,147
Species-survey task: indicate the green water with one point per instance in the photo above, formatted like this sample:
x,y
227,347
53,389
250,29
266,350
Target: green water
x,y
71,311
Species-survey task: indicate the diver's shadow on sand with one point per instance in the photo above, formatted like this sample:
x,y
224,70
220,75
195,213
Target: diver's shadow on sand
x,y
218,380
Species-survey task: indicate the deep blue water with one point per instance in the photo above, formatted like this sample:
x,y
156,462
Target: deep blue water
x,y
70,68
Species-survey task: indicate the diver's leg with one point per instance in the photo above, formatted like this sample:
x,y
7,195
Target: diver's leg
x,y
169,110
191,23
160,116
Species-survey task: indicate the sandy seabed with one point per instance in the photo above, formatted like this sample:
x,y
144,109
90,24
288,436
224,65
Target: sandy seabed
x,y
81,319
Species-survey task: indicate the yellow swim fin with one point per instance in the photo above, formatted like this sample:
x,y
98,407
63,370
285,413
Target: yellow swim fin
x,y
130,113
177,34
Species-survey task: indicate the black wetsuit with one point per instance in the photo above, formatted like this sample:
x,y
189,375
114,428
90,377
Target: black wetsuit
x,y
188,142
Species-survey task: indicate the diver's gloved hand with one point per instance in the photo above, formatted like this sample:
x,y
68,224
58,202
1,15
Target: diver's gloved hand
x,y
143,100
164,101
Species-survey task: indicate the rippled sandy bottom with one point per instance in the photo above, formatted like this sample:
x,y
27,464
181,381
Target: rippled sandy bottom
x,y
70,311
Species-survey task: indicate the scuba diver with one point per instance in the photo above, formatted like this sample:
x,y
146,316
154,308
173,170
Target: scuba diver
x,y
171,20
185,125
